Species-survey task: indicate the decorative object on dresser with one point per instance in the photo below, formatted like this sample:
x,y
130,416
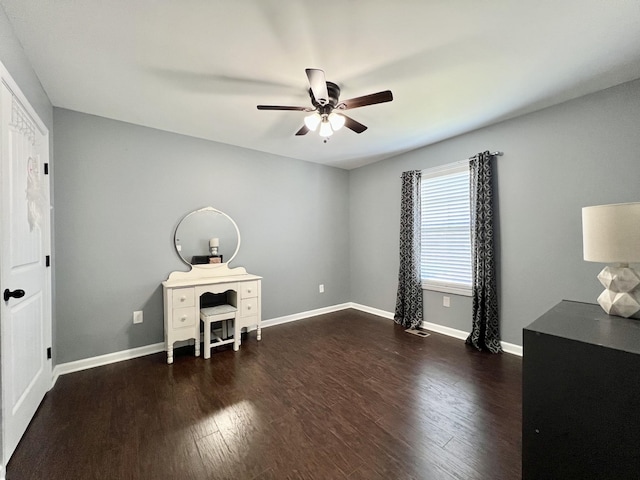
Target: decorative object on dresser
x,y
212,293
611,234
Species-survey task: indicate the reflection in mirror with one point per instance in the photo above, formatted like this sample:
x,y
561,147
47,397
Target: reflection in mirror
x,y
207,236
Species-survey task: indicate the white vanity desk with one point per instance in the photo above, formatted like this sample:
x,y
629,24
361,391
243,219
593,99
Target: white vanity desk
x,y
182,292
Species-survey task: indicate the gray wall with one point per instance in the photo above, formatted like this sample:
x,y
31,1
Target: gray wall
x,y
583,152
120,191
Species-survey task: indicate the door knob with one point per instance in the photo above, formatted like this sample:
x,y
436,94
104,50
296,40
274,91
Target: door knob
x,y
15,294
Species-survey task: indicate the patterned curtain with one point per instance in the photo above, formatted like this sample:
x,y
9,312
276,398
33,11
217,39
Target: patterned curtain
x,y
485,334
409,300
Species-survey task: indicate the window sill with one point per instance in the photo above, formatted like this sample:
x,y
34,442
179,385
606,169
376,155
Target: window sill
x,y
464,291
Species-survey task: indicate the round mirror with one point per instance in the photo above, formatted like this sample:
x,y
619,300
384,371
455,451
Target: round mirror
x,y
207,237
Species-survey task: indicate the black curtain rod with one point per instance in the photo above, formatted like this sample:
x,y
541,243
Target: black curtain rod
x,y
460,162
495,154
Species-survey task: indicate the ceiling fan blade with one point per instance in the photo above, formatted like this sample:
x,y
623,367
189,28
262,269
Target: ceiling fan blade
x,y
303,131
281,107
318,84
380,97
353,125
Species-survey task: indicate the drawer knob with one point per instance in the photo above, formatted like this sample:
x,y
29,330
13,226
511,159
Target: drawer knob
x,y
183,298
183,318
249,307
248,290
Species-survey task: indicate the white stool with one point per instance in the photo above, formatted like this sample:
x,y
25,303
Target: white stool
x,y
220,313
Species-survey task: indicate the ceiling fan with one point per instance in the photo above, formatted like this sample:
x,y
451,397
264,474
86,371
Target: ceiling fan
x,y
326,105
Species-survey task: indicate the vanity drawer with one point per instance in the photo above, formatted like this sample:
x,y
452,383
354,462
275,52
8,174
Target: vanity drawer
x,y
183,297
248,289
247,322
249,307
184,317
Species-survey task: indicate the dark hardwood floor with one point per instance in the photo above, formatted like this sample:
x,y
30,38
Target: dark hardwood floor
x,y
345,395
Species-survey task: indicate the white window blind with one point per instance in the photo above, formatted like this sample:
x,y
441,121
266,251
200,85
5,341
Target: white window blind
x,y
446,229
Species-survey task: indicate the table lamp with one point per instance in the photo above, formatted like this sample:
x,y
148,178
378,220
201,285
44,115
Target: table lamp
x,y
214,244
611,234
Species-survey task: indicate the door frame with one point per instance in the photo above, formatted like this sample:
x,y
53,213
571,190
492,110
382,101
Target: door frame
x,y
9,82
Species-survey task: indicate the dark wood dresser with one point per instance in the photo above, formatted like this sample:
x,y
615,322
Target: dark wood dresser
x,y
581,395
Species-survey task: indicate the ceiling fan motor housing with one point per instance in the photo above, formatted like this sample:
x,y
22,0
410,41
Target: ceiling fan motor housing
x,y
334,94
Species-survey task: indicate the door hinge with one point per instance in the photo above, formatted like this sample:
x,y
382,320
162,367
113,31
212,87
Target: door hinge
x,y
47,261
49,353
46,169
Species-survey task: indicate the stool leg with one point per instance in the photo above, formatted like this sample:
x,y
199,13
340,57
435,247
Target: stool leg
x,y
225,334
207,339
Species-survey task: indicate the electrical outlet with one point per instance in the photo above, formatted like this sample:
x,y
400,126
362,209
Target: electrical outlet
x,y
137,316
446,301
321,288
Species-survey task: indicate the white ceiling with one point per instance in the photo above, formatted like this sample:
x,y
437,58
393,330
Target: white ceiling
x,y
200,67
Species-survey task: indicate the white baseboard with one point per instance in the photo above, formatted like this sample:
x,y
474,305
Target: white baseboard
x,y
86,363
511,348
310,313
507,347
448,331
371,310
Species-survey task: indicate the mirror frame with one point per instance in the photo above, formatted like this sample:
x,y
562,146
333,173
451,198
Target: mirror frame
x,y
205,209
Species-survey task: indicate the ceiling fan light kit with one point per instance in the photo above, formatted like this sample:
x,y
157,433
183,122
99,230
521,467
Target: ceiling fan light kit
x,y
328,123
325,128
325,99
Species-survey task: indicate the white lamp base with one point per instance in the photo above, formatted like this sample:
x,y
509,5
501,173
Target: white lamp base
x,y
622,291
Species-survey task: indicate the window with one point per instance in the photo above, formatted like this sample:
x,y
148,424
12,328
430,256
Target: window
x,y
445,259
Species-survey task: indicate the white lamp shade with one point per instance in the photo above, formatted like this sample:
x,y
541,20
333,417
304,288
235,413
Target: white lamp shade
x,y
336,120
325,128
611,233
214,242
312,121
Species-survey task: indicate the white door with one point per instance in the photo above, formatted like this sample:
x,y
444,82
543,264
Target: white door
x,y
25,316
